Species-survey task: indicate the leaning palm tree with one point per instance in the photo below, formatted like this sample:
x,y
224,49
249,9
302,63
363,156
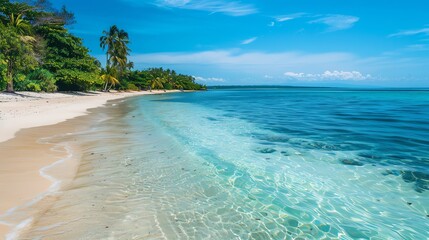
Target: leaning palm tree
x,y
109,78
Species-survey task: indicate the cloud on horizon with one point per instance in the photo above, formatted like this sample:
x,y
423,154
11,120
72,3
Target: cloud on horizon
x,y
337,22
231,8
258,67
329,75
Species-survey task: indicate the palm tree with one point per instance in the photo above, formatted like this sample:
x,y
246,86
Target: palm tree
x,y
21,26
121,50
156,82
108,40
109,78
115,41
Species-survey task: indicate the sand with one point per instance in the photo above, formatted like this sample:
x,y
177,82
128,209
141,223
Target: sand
x,y
25,118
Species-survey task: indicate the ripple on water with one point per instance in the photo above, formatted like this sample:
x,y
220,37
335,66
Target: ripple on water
x,y
211,166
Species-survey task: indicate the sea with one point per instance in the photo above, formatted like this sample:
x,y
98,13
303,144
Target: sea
x,y
249,163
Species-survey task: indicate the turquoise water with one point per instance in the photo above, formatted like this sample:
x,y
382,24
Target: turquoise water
x,y
267,163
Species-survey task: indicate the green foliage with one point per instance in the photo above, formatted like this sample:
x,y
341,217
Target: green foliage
x,y
20,82
109,78
34,87
44,78
3,79
34,36
68,59
16,53
158,78
37,53
132,87
128,86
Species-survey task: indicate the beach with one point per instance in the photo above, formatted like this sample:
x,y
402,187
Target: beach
x,y
31,167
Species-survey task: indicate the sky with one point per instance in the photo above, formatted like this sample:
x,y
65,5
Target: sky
x,y
272,42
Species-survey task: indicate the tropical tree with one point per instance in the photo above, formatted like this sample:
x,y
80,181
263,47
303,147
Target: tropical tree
x,y
33,36
109,78
107,40
16,43
156,83
16,52
115,42
66,57
156,78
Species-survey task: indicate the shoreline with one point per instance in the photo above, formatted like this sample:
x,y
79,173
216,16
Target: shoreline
x,y
32,166
27,109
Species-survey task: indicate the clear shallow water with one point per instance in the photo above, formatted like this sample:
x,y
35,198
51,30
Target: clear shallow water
x,y
282,163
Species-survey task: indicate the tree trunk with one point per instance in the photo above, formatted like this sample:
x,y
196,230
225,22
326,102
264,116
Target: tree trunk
x,y
107,69
105,87
9,87
9,74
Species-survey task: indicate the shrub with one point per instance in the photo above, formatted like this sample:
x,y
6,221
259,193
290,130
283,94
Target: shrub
x,y
20,82
132,87
168,86
3,81
32,86
44,78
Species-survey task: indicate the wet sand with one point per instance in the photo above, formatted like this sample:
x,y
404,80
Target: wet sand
x,y
30,167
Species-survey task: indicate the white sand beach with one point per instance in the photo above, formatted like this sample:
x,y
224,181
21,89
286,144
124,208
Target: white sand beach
x,y
28,109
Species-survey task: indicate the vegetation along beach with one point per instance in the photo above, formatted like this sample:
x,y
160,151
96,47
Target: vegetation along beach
x,y
214,119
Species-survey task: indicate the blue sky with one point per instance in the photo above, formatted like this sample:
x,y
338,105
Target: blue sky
x,y
286,42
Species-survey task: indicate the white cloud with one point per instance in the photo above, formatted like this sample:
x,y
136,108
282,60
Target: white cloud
x,y
250,67
289,17
328,75
411,32
295,75
176,3
271,24
284,19
210,79
337,22
232,8
238,57
417,47
248,41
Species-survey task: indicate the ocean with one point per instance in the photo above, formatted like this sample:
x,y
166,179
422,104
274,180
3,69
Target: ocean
x,y
250,163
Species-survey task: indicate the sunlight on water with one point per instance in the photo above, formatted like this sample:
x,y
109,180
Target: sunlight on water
x,y
256,164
